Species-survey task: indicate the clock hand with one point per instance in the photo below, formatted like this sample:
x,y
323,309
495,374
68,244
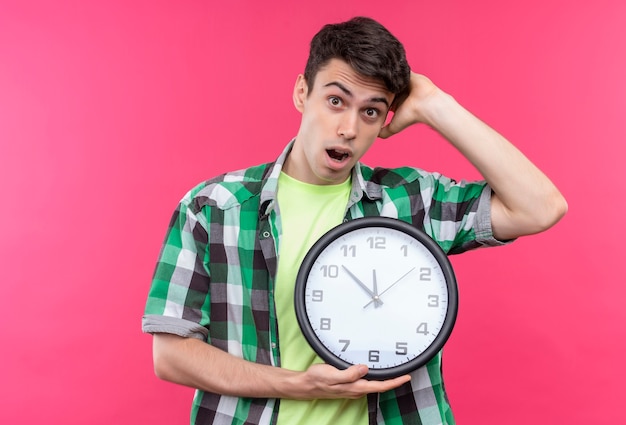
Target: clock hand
x,y
362,285
377,298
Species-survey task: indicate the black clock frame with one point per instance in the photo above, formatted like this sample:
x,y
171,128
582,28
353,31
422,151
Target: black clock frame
x,y
347,227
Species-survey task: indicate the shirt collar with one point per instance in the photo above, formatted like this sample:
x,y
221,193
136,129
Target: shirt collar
x,y
270,186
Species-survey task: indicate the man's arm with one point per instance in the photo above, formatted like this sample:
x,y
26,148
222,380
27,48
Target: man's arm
x,y
194,363
525,201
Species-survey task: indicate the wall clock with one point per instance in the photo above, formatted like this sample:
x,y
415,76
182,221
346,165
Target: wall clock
x,y
376,291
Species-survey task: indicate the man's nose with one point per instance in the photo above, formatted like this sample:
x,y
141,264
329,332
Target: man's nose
x,y
348,126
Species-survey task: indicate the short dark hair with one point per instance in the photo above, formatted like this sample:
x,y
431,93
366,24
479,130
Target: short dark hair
x,y
368,47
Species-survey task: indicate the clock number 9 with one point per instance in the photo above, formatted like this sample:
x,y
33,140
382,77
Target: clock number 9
x,y
317,295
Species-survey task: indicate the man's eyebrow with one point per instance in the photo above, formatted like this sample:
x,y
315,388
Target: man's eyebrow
x,y
349,93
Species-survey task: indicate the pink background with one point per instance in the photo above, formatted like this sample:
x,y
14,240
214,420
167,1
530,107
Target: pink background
x,y
110,111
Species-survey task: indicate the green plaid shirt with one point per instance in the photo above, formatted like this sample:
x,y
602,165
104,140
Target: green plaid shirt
x,y
214,279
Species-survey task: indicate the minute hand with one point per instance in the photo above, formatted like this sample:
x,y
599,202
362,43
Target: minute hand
x,y
390,286
362,285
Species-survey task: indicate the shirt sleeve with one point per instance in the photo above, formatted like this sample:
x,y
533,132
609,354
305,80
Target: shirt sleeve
x,y
179,295
460,215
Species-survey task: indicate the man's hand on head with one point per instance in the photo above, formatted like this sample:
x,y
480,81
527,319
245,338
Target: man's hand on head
x,y
414,109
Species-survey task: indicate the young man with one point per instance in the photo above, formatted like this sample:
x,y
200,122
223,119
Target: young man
x,y
221,303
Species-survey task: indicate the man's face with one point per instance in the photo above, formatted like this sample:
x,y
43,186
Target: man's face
x,y
341,118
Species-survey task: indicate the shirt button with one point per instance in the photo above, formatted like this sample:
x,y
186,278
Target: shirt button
x,y
273,345
266,234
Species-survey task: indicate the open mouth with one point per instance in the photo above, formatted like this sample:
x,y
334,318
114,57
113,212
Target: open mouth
x,y
337,155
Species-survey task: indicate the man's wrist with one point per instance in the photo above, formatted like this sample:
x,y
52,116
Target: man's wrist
x,y
437,109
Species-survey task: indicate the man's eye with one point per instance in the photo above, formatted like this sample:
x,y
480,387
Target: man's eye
x,y
371,113
335,101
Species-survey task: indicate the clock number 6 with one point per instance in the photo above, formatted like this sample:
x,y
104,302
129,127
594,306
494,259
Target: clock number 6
x,y
374,356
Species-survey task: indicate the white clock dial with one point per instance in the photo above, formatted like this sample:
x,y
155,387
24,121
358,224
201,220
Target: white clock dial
x,y
376,295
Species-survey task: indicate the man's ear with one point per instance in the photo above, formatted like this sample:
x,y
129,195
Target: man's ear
x,y
300,92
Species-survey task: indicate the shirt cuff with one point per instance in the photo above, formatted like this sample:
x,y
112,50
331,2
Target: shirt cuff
x,y
483,229
154,323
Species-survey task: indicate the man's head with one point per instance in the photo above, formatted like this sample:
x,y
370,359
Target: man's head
x,y
356,73
368,47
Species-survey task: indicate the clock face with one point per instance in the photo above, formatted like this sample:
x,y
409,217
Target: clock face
x,y
379,292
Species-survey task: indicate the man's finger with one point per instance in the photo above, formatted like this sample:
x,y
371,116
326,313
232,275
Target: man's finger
x,y
386,132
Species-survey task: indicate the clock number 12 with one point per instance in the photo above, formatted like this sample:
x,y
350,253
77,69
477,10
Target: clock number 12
x,y
377,242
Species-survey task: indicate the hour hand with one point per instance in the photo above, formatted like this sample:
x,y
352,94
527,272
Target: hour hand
x,y
376,299
363,286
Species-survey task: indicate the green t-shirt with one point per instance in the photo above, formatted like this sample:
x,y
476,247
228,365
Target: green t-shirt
x,y
307,212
